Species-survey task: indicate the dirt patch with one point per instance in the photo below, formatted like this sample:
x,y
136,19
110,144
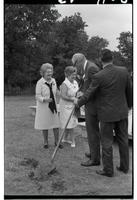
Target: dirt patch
x,y
58,185
29,161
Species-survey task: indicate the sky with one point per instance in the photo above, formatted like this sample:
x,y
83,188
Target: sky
x,y
106,21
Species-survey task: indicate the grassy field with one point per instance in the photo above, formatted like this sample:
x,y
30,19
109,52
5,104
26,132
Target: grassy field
x,y
27,162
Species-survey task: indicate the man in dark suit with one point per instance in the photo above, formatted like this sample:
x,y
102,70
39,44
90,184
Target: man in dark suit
x,y
113,86
85,71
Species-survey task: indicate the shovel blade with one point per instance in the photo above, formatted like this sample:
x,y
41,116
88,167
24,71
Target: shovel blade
x,y
52,171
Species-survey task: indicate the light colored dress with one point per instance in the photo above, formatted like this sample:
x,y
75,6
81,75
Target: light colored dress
x,y
44,118
67,106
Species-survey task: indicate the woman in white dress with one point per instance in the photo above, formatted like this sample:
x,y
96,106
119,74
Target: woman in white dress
x,y
46,113
68,89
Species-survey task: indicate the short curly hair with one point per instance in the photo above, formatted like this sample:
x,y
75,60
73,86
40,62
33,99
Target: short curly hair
x,y
44,68
69,70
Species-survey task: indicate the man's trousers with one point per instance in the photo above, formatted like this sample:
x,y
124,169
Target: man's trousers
x,y
93,135
121,132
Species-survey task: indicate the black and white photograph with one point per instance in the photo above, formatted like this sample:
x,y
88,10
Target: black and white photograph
x,y
68,100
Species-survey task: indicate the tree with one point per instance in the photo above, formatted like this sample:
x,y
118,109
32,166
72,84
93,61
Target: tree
x,y
34,36
118,59
126,48
69,37
95,45
26,36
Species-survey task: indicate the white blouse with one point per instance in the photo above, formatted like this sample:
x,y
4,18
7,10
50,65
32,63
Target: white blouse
x,y
72,87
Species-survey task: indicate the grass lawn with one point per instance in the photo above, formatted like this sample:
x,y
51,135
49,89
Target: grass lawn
x,y
27,162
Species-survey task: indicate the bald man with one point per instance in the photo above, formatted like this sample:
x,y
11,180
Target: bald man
x,y
86,69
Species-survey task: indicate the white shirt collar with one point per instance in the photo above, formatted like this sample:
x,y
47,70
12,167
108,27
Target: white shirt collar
x,y
107,64
85,64
44,81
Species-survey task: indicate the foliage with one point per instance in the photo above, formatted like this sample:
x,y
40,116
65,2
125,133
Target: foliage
x,y
95,45
69,38
26,34
118,59
126,48
34,36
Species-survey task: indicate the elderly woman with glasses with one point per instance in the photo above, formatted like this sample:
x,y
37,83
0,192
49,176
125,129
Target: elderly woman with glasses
x,y
46,113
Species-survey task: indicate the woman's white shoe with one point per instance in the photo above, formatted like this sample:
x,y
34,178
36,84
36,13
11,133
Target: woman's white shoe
x,y
67,141
73,145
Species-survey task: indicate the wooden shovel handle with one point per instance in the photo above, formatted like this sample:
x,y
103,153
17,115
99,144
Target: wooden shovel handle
x,y
62,134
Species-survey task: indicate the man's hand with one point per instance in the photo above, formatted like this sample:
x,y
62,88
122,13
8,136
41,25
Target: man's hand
x,y
79,94
47,100
75,101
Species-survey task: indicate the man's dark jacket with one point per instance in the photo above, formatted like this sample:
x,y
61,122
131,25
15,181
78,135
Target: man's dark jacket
x,y
112,85
90,70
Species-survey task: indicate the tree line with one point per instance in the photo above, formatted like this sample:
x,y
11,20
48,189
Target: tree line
x,y
33,35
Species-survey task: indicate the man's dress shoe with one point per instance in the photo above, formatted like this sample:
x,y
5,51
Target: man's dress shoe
x,y
103,173
89,163
60,146
88,155
121,170
45,146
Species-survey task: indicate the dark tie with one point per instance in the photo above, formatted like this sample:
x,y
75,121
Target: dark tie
x,y
80,78
52,105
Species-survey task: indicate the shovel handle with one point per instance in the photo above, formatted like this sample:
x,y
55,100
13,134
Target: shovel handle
x,y
62,134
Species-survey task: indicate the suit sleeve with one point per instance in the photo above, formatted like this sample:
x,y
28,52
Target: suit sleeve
x,y
91,71
129,94
90,92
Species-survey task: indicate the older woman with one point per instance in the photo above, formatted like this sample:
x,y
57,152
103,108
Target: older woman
x,y
46,114
69,89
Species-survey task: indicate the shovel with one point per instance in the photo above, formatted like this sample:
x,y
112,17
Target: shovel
x,y
53,167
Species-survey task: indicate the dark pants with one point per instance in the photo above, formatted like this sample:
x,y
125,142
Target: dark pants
x,y
121,132
93,135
